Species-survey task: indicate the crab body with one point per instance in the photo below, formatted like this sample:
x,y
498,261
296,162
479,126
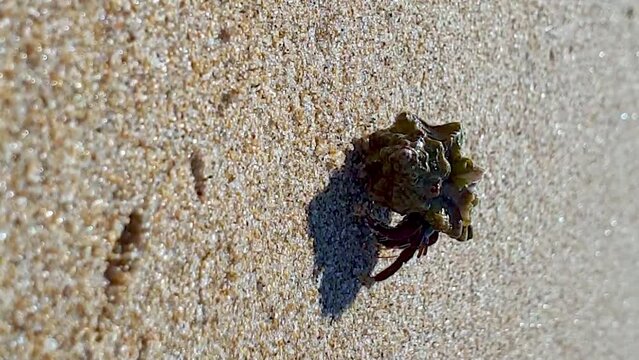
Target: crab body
x,y
417,170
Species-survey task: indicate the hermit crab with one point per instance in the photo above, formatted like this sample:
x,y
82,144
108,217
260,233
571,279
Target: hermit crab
x,y
417,170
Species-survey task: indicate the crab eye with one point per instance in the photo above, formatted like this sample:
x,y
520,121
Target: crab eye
x,y
435,188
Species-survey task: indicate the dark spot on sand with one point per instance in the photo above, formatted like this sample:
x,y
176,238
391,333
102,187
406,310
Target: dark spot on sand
x,y
225,35
343,244
197,170
123,255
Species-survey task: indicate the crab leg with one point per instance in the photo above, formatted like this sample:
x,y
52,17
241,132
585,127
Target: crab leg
x,y
397,243
400,235
425,238
403,257
414,244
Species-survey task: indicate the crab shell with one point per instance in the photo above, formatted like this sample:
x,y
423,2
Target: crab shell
x,y
413,167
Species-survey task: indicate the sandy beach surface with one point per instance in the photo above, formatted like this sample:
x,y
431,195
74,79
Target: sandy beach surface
x,y
176,179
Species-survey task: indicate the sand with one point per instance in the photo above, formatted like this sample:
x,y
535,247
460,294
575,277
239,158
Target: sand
x,y
175,179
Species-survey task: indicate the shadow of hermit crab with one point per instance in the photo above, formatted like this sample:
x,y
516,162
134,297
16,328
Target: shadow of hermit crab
x,y
413,169
343,245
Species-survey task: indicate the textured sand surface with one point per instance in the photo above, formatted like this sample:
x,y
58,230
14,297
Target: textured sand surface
x,y
174,179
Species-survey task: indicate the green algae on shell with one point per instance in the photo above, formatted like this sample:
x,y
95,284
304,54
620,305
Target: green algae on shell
x,y
414,167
